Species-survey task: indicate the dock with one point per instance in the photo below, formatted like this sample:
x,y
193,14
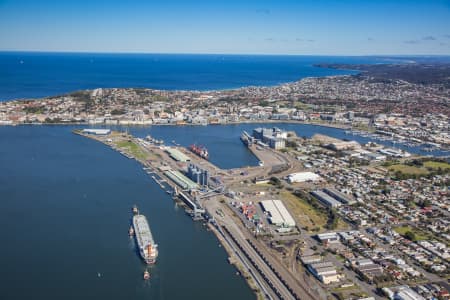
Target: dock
x,y
167,169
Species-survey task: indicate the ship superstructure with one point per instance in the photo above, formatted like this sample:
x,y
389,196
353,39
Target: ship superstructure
x,y
246,139
199,150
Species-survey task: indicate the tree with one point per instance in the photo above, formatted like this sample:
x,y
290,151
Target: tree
x,y
116,112
275,181
410,235
425,203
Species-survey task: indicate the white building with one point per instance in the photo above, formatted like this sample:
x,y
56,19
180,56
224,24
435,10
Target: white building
x,y
278,214
302,177
97,131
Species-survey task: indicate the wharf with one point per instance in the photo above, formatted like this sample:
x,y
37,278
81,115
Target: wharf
x,y
267,277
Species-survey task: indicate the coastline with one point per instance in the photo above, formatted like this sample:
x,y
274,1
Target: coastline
x,y
195,91
337,126
311,63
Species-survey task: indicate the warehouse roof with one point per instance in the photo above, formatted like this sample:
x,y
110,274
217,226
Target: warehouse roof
x,y
177,155
279,215
303,176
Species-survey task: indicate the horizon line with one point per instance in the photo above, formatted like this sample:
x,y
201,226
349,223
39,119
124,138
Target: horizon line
x,y
229,54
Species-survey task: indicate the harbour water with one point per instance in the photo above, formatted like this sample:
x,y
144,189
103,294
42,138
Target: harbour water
x,y
225,147
65,209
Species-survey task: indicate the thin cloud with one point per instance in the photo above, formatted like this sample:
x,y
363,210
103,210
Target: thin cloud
x,y
263,11
412,42
429,38
447,36
370,39
269,39
304,40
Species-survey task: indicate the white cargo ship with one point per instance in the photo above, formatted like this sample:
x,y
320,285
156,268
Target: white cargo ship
x,y
147,247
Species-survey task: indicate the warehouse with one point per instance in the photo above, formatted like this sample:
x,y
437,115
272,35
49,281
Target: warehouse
x,y
303,177
278,214
177,155
344,145
341,197
328,237
326,199
324,271
181,180
97,131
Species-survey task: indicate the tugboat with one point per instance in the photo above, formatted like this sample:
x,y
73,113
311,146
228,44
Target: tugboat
x,y
131,231
146,275
135,210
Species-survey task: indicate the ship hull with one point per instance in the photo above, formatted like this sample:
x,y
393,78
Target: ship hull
x,y
199,151
144,239
246,139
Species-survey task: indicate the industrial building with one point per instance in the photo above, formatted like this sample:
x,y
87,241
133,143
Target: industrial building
x,y
197,174
328,237
310,259
402,292
394,153
177,155
97,131
344,145
324,271
373,156
274,137
302,177
326,199
278,214
181,180
341,197
367,268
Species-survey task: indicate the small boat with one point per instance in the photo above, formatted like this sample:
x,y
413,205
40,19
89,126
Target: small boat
x,y
135,210
131,231
146,275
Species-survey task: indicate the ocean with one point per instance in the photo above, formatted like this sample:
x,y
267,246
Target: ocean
x,y
38,74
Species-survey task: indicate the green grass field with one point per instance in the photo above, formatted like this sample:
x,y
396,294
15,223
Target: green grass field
x,y
303,211
133,149
435,165
408,170
420,235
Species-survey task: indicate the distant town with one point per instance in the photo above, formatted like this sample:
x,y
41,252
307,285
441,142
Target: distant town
x,y
387,103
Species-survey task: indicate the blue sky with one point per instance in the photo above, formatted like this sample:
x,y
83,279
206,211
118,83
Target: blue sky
x,y
312,27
